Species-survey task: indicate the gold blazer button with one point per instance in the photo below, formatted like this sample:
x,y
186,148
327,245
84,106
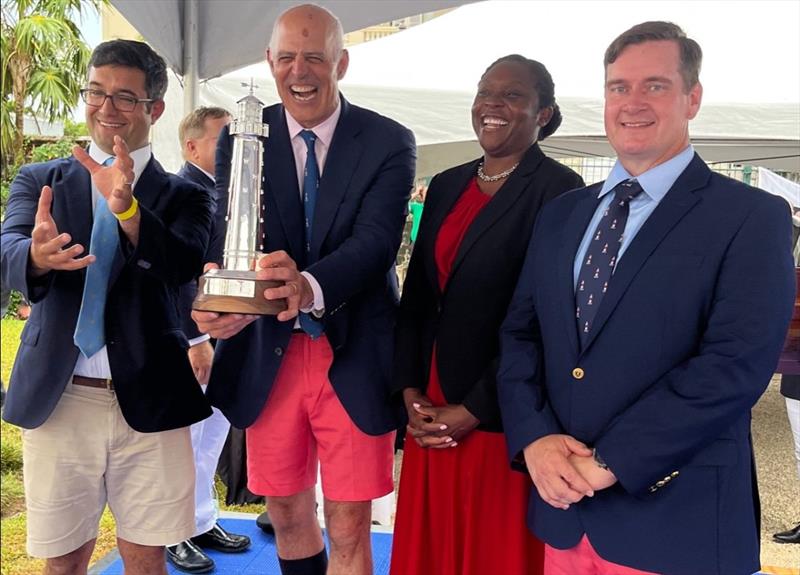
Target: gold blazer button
x,y
577,373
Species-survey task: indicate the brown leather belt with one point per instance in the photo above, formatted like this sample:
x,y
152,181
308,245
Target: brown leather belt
x,y
93,382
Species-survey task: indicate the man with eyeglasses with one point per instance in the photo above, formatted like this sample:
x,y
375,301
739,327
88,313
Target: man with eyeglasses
x,y
102,384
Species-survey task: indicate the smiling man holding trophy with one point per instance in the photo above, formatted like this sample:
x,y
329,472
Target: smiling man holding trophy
x,y
311,384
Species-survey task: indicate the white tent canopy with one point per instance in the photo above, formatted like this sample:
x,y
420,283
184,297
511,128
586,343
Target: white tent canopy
x,y
424,76
234,33
441,123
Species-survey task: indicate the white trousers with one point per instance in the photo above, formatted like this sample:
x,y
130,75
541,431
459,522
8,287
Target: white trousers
x,y
208,439
793,411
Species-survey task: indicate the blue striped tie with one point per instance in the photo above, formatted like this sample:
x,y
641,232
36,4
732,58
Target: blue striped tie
x,y
90,330
310,188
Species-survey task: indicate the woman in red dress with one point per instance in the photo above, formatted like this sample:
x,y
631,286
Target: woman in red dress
x,y
461,509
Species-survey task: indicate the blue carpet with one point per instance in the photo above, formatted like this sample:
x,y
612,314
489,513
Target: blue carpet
x,y
261,557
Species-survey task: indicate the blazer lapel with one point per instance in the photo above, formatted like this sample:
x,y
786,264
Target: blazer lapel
x,y
448,190
504,200
343,157
149,187
72,193
574,230
281,175
678,201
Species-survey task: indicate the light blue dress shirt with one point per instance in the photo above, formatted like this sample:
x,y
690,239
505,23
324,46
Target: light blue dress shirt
x,y
655,183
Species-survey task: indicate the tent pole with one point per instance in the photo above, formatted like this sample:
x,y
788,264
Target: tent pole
x,y
191,51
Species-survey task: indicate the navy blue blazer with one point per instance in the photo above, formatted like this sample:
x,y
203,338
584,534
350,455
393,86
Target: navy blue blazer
x,y
684,343
188,291
153,379
358,224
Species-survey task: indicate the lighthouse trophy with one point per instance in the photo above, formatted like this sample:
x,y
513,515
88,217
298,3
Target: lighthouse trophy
x,y
234,288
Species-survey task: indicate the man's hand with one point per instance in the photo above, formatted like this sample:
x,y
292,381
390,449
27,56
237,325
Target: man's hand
x,y
220,325
558,482
450,423
47,245
595,475
278,266
201,357
115,181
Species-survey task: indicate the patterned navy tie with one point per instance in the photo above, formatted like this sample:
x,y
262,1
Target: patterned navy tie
x,y
90,329
601,256
310,188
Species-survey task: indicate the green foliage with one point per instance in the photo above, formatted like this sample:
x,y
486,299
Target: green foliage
x,y
52,150
12,494
9,342
10,456
44,63
74,129
14,301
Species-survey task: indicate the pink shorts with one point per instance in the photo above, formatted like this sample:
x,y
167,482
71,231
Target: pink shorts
x,y
583,559
304,423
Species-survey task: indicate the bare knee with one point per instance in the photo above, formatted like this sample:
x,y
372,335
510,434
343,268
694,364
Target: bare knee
x,y
142,559
73,562
294,512
347,522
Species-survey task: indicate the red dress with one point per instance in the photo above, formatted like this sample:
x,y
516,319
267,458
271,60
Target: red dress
x,y
461,511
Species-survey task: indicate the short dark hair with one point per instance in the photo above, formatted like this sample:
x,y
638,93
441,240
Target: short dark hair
x,y
193,124
690,52
133,54
543,84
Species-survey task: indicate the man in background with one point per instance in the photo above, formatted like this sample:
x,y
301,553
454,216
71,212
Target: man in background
x,y
198,133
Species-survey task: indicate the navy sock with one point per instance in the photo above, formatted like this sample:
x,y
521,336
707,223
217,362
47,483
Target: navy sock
x,y
314,565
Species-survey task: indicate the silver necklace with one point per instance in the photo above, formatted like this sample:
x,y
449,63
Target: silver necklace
x,y
496,177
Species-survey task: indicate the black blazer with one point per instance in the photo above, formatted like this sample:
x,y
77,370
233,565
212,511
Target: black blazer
x,y
464,321
188,291
153,379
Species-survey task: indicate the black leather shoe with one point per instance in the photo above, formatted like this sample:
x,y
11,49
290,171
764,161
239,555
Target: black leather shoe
x,y
220,540
790,536
265,523
187,557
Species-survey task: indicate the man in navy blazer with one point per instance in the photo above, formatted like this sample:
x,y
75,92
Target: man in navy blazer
x,y
303,396
198,133
633,418
106,396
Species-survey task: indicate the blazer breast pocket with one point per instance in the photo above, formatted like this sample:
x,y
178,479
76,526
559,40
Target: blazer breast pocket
x,y
678,260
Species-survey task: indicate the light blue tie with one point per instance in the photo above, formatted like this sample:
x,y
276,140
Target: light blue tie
x,y
310,187
90,330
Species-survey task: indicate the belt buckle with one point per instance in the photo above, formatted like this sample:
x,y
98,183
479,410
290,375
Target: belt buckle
x,y
109,384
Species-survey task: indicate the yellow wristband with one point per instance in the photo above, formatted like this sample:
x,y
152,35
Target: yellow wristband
x,y
129,213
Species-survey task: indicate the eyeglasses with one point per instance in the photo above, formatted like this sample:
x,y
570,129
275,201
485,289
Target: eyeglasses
x,y
122,102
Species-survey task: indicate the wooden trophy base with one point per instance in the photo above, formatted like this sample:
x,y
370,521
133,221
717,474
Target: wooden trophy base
x,y
229,291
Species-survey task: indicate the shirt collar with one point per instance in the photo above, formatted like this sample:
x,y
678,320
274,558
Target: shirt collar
x,y
140,158
210,176
323,131
656,181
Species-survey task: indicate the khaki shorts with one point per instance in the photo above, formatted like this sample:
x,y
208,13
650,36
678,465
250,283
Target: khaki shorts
x,y
84,456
